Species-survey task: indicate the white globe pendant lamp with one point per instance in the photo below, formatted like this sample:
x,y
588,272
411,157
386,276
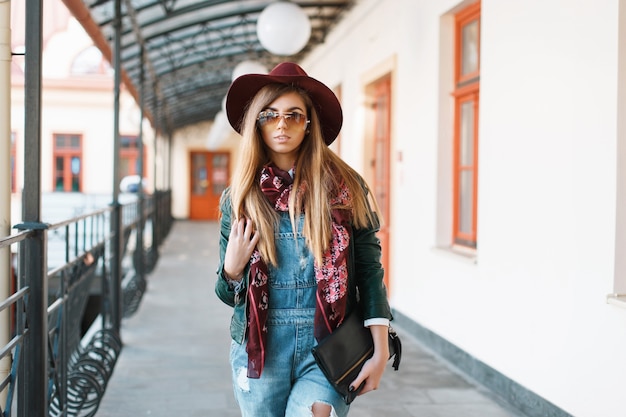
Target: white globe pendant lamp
x,y
248,67
283,28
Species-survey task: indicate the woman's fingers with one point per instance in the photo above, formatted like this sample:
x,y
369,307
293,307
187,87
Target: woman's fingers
x,y
241,243
371,375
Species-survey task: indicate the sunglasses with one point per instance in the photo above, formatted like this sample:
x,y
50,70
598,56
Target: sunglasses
x,y
271,118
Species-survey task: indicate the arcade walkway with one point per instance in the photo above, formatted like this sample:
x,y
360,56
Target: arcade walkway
x,y
175,356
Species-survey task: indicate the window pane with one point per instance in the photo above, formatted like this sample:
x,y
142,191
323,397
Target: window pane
x,y
200,177
75,165
58,176
63,141
128,142
59,141
220,173
469,48
467,133
466,205
75,169
219,160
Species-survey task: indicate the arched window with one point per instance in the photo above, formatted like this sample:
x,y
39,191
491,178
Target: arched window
x,y
90,62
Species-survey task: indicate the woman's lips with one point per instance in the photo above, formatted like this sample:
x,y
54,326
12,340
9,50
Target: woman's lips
x,y
281,138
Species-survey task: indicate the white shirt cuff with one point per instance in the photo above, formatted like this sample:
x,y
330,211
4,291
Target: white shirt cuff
x,y
376,322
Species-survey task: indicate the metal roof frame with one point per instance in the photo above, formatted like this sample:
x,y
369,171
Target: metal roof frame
x,y
189,48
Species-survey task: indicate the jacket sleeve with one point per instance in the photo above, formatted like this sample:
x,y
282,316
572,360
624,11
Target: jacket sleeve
x,y
371,291
226,292
369,273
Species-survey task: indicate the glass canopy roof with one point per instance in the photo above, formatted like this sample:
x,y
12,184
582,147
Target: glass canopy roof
x,y
191,48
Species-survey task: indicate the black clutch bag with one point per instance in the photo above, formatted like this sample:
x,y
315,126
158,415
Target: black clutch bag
x,y
341,355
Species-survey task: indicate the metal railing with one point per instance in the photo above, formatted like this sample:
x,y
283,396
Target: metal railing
x,y
64,340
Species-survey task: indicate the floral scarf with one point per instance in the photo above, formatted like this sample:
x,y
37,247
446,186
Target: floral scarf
x,y
331,276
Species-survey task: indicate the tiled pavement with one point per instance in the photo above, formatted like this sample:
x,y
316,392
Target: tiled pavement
x,y
175,357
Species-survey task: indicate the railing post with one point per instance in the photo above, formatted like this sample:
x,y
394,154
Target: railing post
x,y
5,181
140,267
116,268
33,375
33,398
116,215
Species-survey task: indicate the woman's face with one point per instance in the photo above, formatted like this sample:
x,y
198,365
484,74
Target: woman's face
x,y
283,125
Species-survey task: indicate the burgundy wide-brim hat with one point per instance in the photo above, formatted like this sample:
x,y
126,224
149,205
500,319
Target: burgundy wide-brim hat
x,y
245,87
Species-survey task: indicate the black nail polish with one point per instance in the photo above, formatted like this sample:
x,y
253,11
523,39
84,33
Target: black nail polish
x,y
351,388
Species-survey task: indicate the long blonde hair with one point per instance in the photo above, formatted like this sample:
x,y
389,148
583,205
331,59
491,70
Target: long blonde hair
x,y
316,166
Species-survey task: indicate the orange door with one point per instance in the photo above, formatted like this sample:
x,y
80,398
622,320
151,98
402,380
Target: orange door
x,y
382,146
208,177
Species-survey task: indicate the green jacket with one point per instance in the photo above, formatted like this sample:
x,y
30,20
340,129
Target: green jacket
x,y
365,276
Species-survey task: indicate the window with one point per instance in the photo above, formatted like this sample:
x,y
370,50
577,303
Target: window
x,y
13,163
466,97
129,156
67,162
90,62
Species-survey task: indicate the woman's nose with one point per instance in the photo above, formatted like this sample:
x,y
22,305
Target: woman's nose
x,y
282,122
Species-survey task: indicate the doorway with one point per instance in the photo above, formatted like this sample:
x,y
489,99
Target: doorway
x,y
208,178
379,93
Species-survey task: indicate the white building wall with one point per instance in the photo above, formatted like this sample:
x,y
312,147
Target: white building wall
x,y
531,303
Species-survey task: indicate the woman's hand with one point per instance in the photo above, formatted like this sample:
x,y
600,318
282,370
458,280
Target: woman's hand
x,y
373,369
241,243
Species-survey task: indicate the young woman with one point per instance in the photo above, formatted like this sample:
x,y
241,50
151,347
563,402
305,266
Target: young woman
x,y
298,244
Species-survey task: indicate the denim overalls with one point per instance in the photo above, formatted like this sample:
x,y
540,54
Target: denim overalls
x,y
291,380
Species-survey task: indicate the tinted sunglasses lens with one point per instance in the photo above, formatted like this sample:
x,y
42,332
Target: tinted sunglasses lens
x,y
272,118
295,118
267,117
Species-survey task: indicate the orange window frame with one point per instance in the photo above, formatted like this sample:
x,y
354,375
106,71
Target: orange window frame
x,y
468,15
67,153
467,90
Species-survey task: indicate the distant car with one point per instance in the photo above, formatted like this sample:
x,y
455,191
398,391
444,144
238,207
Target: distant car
x,y
130,184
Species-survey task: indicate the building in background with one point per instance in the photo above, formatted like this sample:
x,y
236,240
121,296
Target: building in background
x,y
77,116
